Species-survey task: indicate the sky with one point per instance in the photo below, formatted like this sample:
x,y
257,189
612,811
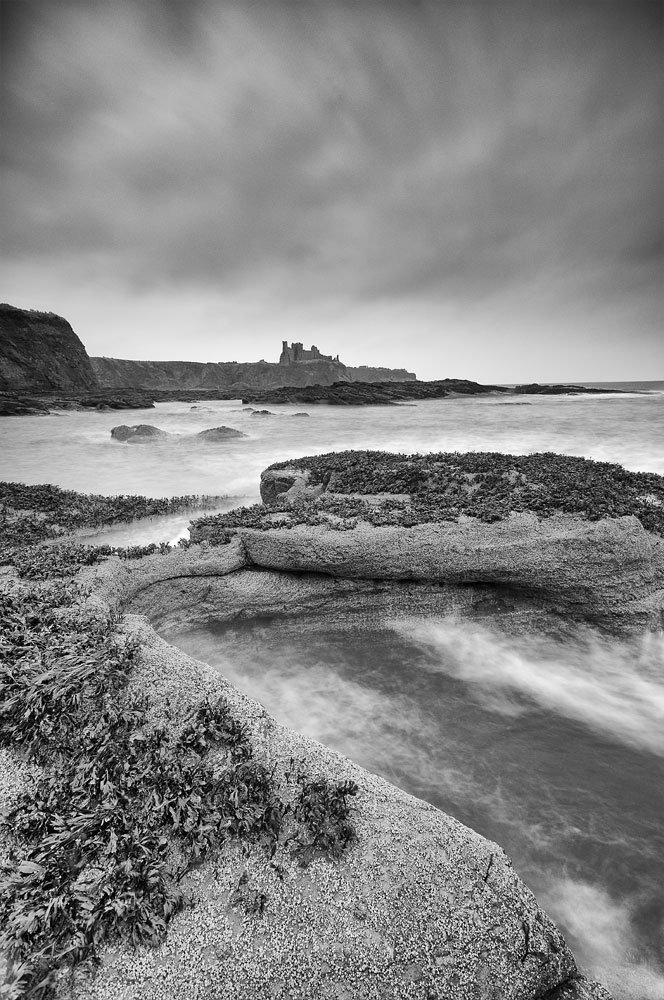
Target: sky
x,y
464,188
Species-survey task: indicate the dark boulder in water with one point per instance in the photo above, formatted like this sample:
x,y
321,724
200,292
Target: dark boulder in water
x,y
222,433
144,433
137,434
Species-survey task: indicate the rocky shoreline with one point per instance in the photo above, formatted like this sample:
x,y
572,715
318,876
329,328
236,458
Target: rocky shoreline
x,y
390,393
371,918
17,403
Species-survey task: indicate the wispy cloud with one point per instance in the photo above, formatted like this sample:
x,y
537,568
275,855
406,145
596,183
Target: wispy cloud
x,y
339,153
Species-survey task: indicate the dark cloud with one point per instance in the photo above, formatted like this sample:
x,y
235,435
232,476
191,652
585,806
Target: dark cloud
x,y
439,150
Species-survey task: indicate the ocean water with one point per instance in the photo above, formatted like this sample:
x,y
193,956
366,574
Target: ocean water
x,y
75,450
554,749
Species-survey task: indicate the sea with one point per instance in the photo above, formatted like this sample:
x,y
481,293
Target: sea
x,y
552,747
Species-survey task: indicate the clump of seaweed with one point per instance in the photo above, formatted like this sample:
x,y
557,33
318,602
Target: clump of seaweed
x,y
322,807
123,808
65,559
115,793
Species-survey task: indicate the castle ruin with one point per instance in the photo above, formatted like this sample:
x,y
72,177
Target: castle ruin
x,y
296,353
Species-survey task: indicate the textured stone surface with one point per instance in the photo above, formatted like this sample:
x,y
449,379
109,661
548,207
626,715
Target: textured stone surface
x,y
420,907
610,572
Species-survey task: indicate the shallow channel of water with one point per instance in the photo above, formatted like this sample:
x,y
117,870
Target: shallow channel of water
x,y
555,750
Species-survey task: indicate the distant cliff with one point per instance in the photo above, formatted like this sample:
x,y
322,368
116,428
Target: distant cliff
x,y
223,375
39,352
365,373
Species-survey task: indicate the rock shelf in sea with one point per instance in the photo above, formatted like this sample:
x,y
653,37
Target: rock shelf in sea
x,y
248,893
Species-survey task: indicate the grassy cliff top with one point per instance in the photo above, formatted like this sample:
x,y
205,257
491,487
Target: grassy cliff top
x,y
443,486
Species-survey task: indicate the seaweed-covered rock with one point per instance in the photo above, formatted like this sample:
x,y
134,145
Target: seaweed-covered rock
x,y
583,538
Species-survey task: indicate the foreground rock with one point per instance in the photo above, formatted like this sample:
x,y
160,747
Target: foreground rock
x,y
419,906
578,541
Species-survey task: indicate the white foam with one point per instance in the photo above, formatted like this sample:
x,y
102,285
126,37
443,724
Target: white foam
x,y
615,688
600,931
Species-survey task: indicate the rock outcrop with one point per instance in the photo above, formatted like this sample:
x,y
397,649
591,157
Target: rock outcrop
x,y
582,541
137,434
376,393
19,404
227,379
213,434
144,433
367,393
419,906
232,378
39,352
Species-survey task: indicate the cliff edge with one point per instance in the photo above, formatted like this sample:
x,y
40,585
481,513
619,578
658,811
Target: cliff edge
x,y
39,352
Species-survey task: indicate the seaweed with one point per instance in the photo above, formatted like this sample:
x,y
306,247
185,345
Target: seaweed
x,y
123,808
443,486
30,514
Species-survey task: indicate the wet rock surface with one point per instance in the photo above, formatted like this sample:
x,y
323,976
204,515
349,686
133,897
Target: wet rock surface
x,y
419,906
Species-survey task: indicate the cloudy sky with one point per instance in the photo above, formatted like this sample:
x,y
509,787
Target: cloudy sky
x,y
467,188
